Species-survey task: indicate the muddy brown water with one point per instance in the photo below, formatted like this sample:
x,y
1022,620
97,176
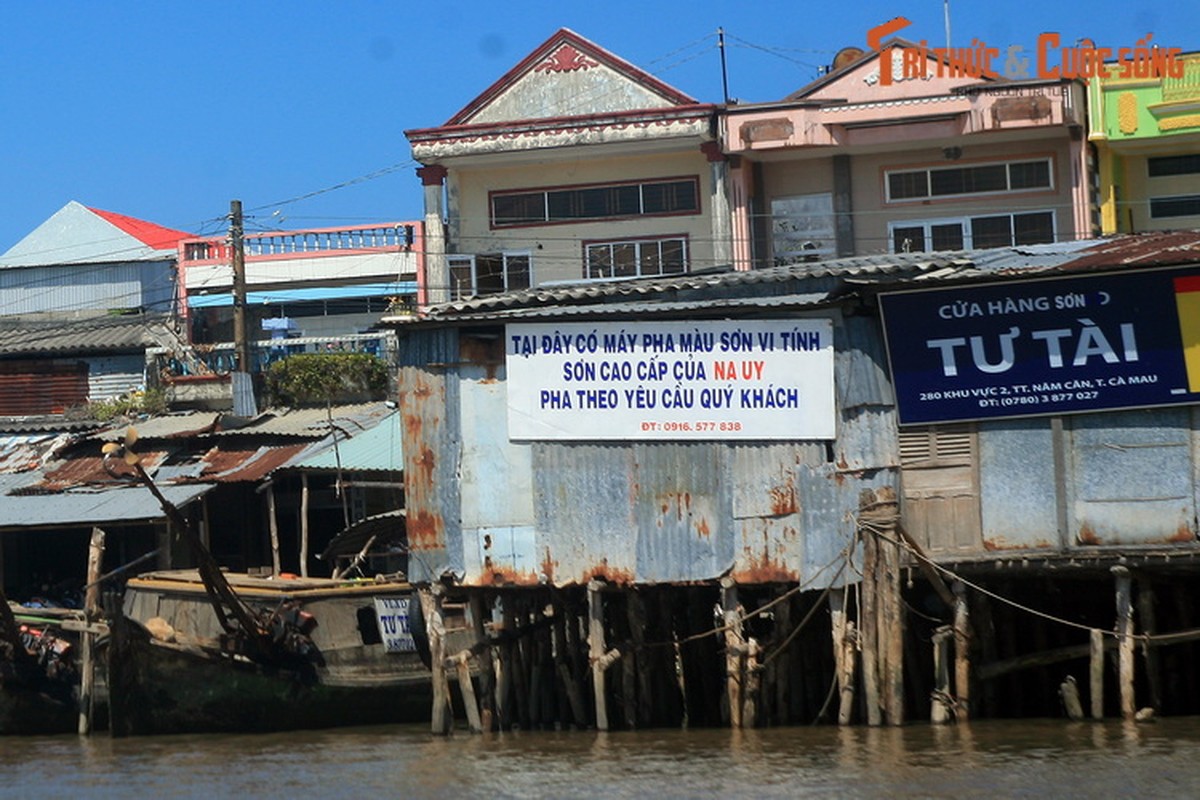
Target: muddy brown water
x,y
1041,758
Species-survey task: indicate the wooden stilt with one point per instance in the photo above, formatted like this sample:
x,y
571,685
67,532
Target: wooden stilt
x,y
91,614
304,498
752,684
838,623
1069,693
893,632
962,653
636,611
868,631
942,706
1147,619
273,522
1125,641
848,674
735,647
431,606
487,677
596,649
984,626
516,619
1096,674
467,688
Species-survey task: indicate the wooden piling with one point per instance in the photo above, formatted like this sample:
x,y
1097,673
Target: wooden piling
x,y
91,615
962,653
1125,642
273,522
487,676
1148,622
941,708
868,631
596,646
735,647
1096,674
751,683
1069,693
431,607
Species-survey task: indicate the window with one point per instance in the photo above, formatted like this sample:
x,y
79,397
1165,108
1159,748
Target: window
x,y
1166,166
1181,206
992,230
802,228
637,258
488,273
607,201
956,181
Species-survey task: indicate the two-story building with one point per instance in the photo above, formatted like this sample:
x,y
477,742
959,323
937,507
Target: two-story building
x,y
574,166
1147,137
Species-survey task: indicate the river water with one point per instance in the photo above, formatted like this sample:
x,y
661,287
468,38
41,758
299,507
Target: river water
x,y
1045,759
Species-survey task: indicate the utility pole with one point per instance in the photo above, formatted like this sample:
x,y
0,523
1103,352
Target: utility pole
x,y
241,381
724,71
238,259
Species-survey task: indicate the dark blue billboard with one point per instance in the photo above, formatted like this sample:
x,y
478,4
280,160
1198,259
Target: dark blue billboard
x,y
1046,346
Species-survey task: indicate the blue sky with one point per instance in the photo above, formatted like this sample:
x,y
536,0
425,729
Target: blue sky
x,y
168,110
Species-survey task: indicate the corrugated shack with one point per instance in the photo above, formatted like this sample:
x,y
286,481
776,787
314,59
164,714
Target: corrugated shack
x,y
872,489
265,494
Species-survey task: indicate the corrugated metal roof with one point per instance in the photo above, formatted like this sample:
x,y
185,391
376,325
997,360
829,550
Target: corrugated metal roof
x,y
76,234
373,450
85,508
86,335
23,452
312,422
634,289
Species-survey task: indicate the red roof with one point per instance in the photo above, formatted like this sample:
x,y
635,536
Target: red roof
x,y
153,236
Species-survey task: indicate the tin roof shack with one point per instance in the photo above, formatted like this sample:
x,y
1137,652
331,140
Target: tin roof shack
x,y
664,445
1048,435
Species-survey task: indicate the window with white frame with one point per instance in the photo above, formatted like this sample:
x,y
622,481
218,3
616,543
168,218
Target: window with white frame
x,y
488,273
635,258
972,233
968,179
802,227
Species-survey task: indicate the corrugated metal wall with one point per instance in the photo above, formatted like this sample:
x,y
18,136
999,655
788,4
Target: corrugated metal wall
x,y
630,512
79,287
113,376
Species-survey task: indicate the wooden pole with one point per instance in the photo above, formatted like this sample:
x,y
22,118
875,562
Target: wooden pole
x,y
304,524
1146,602
487,677
431,606
894,633
940,709
274,523
962,653
1125,641
868,631
735,647
467,688
91,613
596,647
752,684
837,625
1069,693
1096,673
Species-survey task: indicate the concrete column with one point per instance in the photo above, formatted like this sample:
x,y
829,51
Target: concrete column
x,y
433,285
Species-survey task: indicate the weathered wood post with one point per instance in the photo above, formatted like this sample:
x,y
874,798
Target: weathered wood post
x,y
596,646
1147,619
273,522
1096,673
487,676
735,649
1125,641
91,615
962,653
942,702
868,629
839,626
431,607
1069,692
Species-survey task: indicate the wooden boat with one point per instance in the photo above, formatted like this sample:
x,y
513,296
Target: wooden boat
x,y
39,672
328,653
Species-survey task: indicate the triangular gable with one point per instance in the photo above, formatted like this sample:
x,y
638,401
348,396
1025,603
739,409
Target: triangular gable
x,y
859,81
153,236
76,234
568,76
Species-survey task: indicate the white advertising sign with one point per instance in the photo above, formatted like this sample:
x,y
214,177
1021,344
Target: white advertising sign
x,y
392,613
750,379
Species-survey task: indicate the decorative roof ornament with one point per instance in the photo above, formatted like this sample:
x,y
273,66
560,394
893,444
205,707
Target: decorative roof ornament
x,y
566,59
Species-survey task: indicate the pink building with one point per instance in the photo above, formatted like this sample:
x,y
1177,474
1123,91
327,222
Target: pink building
x,y
919,158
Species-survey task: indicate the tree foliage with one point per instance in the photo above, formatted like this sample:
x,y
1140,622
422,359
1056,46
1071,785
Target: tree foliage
x,y
318,378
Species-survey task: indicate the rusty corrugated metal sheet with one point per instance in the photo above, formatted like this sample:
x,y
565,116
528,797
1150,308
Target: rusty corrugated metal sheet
x,y
24,452
246,465
430,435
30,388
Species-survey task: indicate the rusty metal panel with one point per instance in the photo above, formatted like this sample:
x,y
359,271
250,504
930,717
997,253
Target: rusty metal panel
x,y
766,506
829,503
584,501
1018,499
428,404
680,512
1130,478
